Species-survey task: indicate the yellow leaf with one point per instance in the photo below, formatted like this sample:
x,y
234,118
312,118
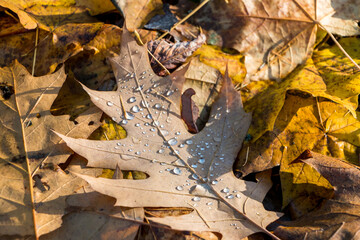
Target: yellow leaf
x,y
311,79
216,58
303,123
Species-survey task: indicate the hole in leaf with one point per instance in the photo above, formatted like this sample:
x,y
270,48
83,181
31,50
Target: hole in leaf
x,y
38,115
91,123
6,90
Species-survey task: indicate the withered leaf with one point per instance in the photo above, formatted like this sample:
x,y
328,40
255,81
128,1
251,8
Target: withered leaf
x,y
172,55
338,217
29,149
184,170
275,36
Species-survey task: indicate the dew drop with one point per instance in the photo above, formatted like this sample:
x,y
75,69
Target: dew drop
x,y
217,139
153,129
226,190
109,103
214,182
119,144
196,199
137,125
172,142
194,166
177,133
179,188
176,171
132,100
238,195
135,109
144,104
201,161
114,119
129,116
124,122
194,176
157,106
149,116
164,132
181,145
189,142
169,93
209,203
230,196
161,151
137,153
217,116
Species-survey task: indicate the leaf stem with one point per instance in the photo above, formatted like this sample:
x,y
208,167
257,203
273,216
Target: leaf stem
x,y
31,189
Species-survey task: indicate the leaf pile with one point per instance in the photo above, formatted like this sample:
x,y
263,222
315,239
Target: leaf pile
x,y
163,162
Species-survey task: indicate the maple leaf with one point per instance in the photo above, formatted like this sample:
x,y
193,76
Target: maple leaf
x,y
304,123
276,36
184,170
338,217
29,150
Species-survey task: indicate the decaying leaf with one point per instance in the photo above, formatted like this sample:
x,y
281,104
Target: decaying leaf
x,y
338,217
172,55
30,150
185,170
276,36
303,123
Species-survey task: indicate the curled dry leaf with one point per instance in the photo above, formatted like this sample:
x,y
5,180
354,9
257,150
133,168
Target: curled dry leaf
x,y
172,55
185,170
29,148
338,217
276,36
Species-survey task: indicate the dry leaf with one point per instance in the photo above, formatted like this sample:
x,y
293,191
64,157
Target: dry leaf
x,y
276,36
303,123
338,217
172,55
184,170
29,149
137,12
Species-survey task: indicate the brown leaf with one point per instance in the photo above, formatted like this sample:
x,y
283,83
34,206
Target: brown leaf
x,y
30,149
338,217
276,36
184,170
172,55
189,110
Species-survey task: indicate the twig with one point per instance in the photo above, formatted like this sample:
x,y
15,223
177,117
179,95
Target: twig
x,y
185,18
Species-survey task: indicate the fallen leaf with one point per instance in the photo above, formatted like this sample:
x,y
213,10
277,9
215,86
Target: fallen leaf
x,y
189,110
216,58
137,12
303,123
276,36
336,218
30,150
159,145
315,78
172,55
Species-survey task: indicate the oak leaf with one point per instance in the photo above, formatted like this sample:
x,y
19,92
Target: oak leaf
x,y
184,170
30,151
